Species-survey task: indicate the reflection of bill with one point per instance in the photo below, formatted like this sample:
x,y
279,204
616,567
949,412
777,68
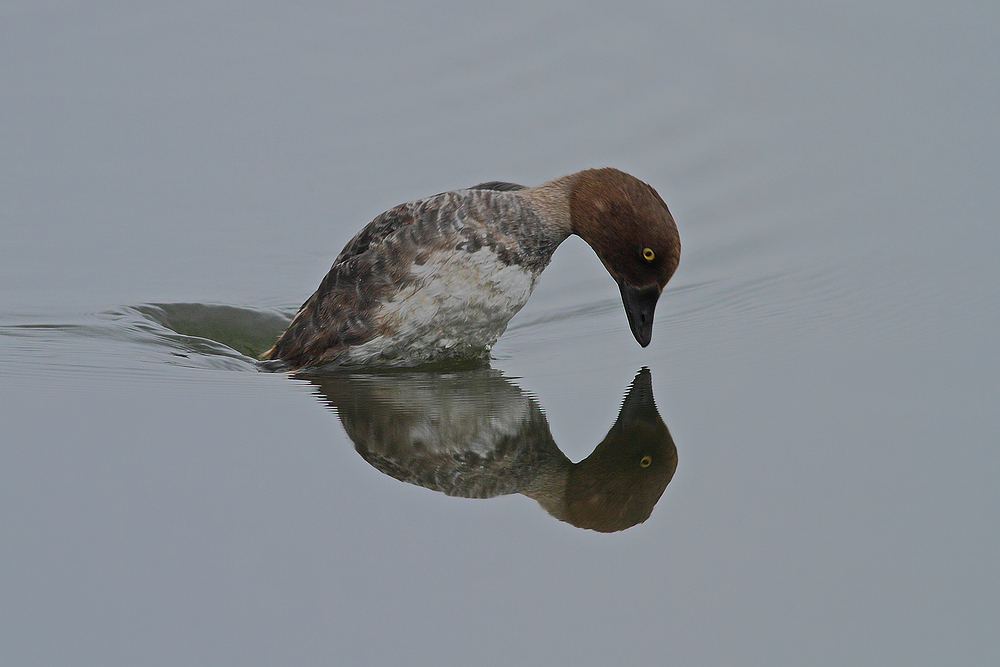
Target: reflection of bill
x,y
474,434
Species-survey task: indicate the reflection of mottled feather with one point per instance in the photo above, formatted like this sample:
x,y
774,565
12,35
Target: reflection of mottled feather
x,y
509,466
471,434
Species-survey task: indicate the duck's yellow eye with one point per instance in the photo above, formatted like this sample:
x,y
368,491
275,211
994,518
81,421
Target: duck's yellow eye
x,y
648,254
646,461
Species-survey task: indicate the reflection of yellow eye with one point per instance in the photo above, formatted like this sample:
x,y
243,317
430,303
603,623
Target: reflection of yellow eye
x,y
648,254
646,461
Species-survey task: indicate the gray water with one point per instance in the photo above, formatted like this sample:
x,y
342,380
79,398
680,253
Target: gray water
x,y
175,180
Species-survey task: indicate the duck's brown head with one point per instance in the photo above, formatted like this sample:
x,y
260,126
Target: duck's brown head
x,y
630,228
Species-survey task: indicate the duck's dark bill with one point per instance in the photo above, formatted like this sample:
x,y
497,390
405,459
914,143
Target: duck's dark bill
x,y
639,306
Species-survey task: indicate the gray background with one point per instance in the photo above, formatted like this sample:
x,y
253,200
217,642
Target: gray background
x,y
826,356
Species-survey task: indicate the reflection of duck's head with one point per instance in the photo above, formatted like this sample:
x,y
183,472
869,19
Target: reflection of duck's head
x,y
619,483
474,434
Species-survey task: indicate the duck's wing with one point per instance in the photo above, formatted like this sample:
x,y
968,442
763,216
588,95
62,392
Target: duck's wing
x,y
376,230
334,318
341,312
501,186
406,214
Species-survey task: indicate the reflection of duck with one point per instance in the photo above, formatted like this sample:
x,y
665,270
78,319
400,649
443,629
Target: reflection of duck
x,y
439,278
474,434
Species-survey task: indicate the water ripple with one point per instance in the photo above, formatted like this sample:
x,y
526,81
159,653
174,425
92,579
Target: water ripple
x,y
140,339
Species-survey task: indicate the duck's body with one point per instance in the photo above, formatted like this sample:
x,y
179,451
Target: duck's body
x,y
441,277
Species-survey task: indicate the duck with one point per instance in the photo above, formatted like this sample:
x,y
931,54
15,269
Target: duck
x,y
439,278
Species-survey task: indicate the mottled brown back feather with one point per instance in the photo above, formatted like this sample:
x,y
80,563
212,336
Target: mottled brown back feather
x,y
338,314
376,264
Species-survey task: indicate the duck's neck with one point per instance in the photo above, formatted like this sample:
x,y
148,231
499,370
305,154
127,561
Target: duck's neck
x,y
548,488
551,201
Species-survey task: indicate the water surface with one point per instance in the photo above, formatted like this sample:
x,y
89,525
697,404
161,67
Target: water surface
x,y
176,181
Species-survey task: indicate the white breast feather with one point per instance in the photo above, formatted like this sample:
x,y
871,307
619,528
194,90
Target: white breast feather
x,y
457,302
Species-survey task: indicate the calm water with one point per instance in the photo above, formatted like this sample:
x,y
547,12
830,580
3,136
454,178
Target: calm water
x,y
824,370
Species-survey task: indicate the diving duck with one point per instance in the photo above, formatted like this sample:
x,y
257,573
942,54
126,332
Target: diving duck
x,y
439,278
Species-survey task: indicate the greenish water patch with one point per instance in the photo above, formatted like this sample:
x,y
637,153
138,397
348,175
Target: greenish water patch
x,y
247,331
